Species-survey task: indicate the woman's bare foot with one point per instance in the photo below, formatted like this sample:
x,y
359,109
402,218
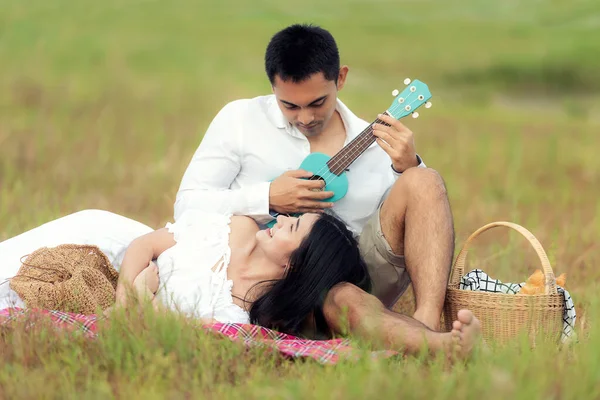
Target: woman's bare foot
x,y
147,282
466,332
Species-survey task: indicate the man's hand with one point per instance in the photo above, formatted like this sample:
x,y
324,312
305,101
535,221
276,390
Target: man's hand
x,y
291,194
397,141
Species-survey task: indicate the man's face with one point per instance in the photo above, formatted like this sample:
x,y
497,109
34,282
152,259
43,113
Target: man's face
x,y
310,104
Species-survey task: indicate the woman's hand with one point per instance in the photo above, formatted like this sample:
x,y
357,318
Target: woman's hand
x,y
124,287
139,256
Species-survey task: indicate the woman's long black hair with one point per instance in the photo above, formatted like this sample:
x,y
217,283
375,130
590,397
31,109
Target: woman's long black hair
x,y
327,256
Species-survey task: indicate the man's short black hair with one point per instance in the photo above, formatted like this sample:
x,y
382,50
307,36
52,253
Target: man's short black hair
x,y
301,50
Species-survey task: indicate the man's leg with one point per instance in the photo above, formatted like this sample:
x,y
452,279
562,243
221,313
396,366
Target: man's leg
x,y
348,308
415,223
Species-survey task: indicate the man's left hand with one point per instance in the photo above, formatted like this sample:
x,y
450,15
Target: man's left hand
x,y
397,141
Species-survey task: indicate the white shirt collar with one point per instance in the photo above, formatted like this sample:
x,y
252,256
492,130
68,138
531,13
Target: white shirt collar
x,y
353,124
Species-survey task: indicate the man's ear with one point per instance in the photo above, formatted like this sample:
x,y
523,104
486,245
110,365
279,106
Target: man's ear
x,y
273,83
342,77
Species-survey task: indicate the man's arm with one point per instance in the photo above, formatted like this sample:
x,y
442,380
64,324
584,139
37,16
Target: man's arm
x,y
419,162
206,184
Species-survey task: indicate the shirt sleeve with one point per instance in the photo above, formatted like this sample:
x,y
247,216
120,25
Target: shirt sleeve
x,y
206,183
421,165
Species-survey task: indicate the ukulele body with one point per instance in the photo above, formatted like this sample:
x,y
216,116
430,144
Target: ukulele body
x,y
317,164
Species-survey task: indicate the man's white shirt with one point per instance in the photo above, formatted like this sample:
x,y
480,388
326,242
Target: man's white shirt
x,y
249,143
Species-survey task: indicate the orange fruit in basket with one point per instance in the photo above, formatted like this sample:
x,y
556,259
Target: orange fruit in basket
x,y
530,289
526,289
561,280
534,284
537,278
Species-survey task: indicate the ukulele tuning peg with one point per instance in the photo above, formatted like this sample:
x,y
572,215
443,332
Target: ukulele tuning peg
x,y
415,115
407,81
395,92
428,104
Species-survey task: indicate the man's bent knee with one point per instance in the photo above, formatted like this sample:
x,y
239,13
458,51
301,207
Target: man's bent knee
x,y
413,183
427,178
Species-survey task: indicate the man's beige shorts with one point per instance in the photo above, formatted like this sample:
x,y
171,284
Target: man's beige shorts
x,y
388,270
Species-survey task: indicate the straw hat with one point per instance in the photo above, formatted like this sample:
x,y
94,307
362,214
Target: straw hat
x,y
69,277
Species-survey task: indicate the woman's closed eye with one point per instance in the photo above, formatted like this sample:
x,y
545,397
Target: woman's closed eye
x,y
297,224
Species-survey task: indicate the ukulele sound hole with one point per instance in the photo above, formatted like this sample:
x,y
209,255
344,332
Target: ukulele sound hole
x,y
317,178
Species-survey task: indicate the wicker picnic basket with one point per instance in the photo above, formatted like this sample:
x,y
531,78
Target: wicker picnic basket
x,y
504,316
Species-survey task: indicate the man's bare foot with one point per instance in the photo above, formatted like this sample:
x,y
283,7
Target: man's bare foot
x,y
466,332
147,282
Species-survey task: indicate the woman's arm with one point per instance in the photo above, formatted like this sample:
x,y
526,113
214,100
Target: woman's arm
x,y
138,255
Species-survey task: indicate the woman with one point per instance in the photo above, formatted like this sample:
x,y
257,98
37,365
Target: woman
x,y
225,268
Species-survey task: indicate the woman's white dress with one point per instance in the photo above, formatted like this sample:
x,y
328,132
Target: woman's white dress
x,y
189,283
193,273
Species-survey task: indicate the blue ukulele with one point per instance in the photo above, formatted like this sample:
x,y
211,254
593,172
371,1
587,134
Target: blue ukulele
x,y
332,169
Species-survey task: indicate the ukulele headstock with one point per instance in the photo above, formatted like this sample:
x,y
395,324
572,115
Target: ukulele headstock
x,y
412,97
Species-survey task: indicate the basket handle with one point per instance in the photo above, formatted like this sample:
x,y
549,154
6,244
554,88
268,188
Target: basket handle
x,y
459,264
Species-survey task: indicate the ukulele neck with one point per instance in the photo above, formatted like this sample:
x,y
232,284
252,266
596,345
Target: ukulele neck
x,y
342,160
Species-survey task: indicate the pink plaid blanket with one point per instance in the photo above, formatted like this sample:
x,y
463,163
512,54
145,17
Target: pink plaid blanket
x,y
324,351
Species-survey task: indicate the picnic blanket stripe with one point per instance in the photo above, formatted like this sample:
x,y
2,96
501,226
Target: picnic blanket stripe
x,y
323,351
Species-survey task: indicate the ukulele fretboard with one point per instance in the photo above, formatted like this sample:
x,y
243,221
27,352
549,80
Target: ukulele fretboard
x,y
342,160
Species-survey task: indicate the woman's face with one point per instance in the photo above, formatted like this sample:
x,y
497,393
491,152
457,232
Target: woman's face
x,y
285,236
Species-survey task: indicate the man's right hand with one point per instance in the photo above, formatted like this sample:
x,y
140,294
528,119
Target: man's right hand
x,y
289,193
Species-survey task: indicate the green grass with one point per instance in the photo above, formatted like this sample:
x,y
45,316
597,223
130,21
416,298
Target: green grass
x,y
102,105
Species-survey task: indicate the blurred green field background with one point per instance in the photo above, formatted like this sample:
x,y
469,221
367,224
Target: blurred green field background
x,y
102,105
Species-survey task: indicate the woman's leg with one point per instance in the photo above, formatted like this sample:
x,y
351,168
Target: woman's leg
x,y
111,232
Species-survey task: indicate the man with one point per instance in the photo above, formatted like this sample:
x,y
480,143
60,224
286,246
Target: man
x,y
247,164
